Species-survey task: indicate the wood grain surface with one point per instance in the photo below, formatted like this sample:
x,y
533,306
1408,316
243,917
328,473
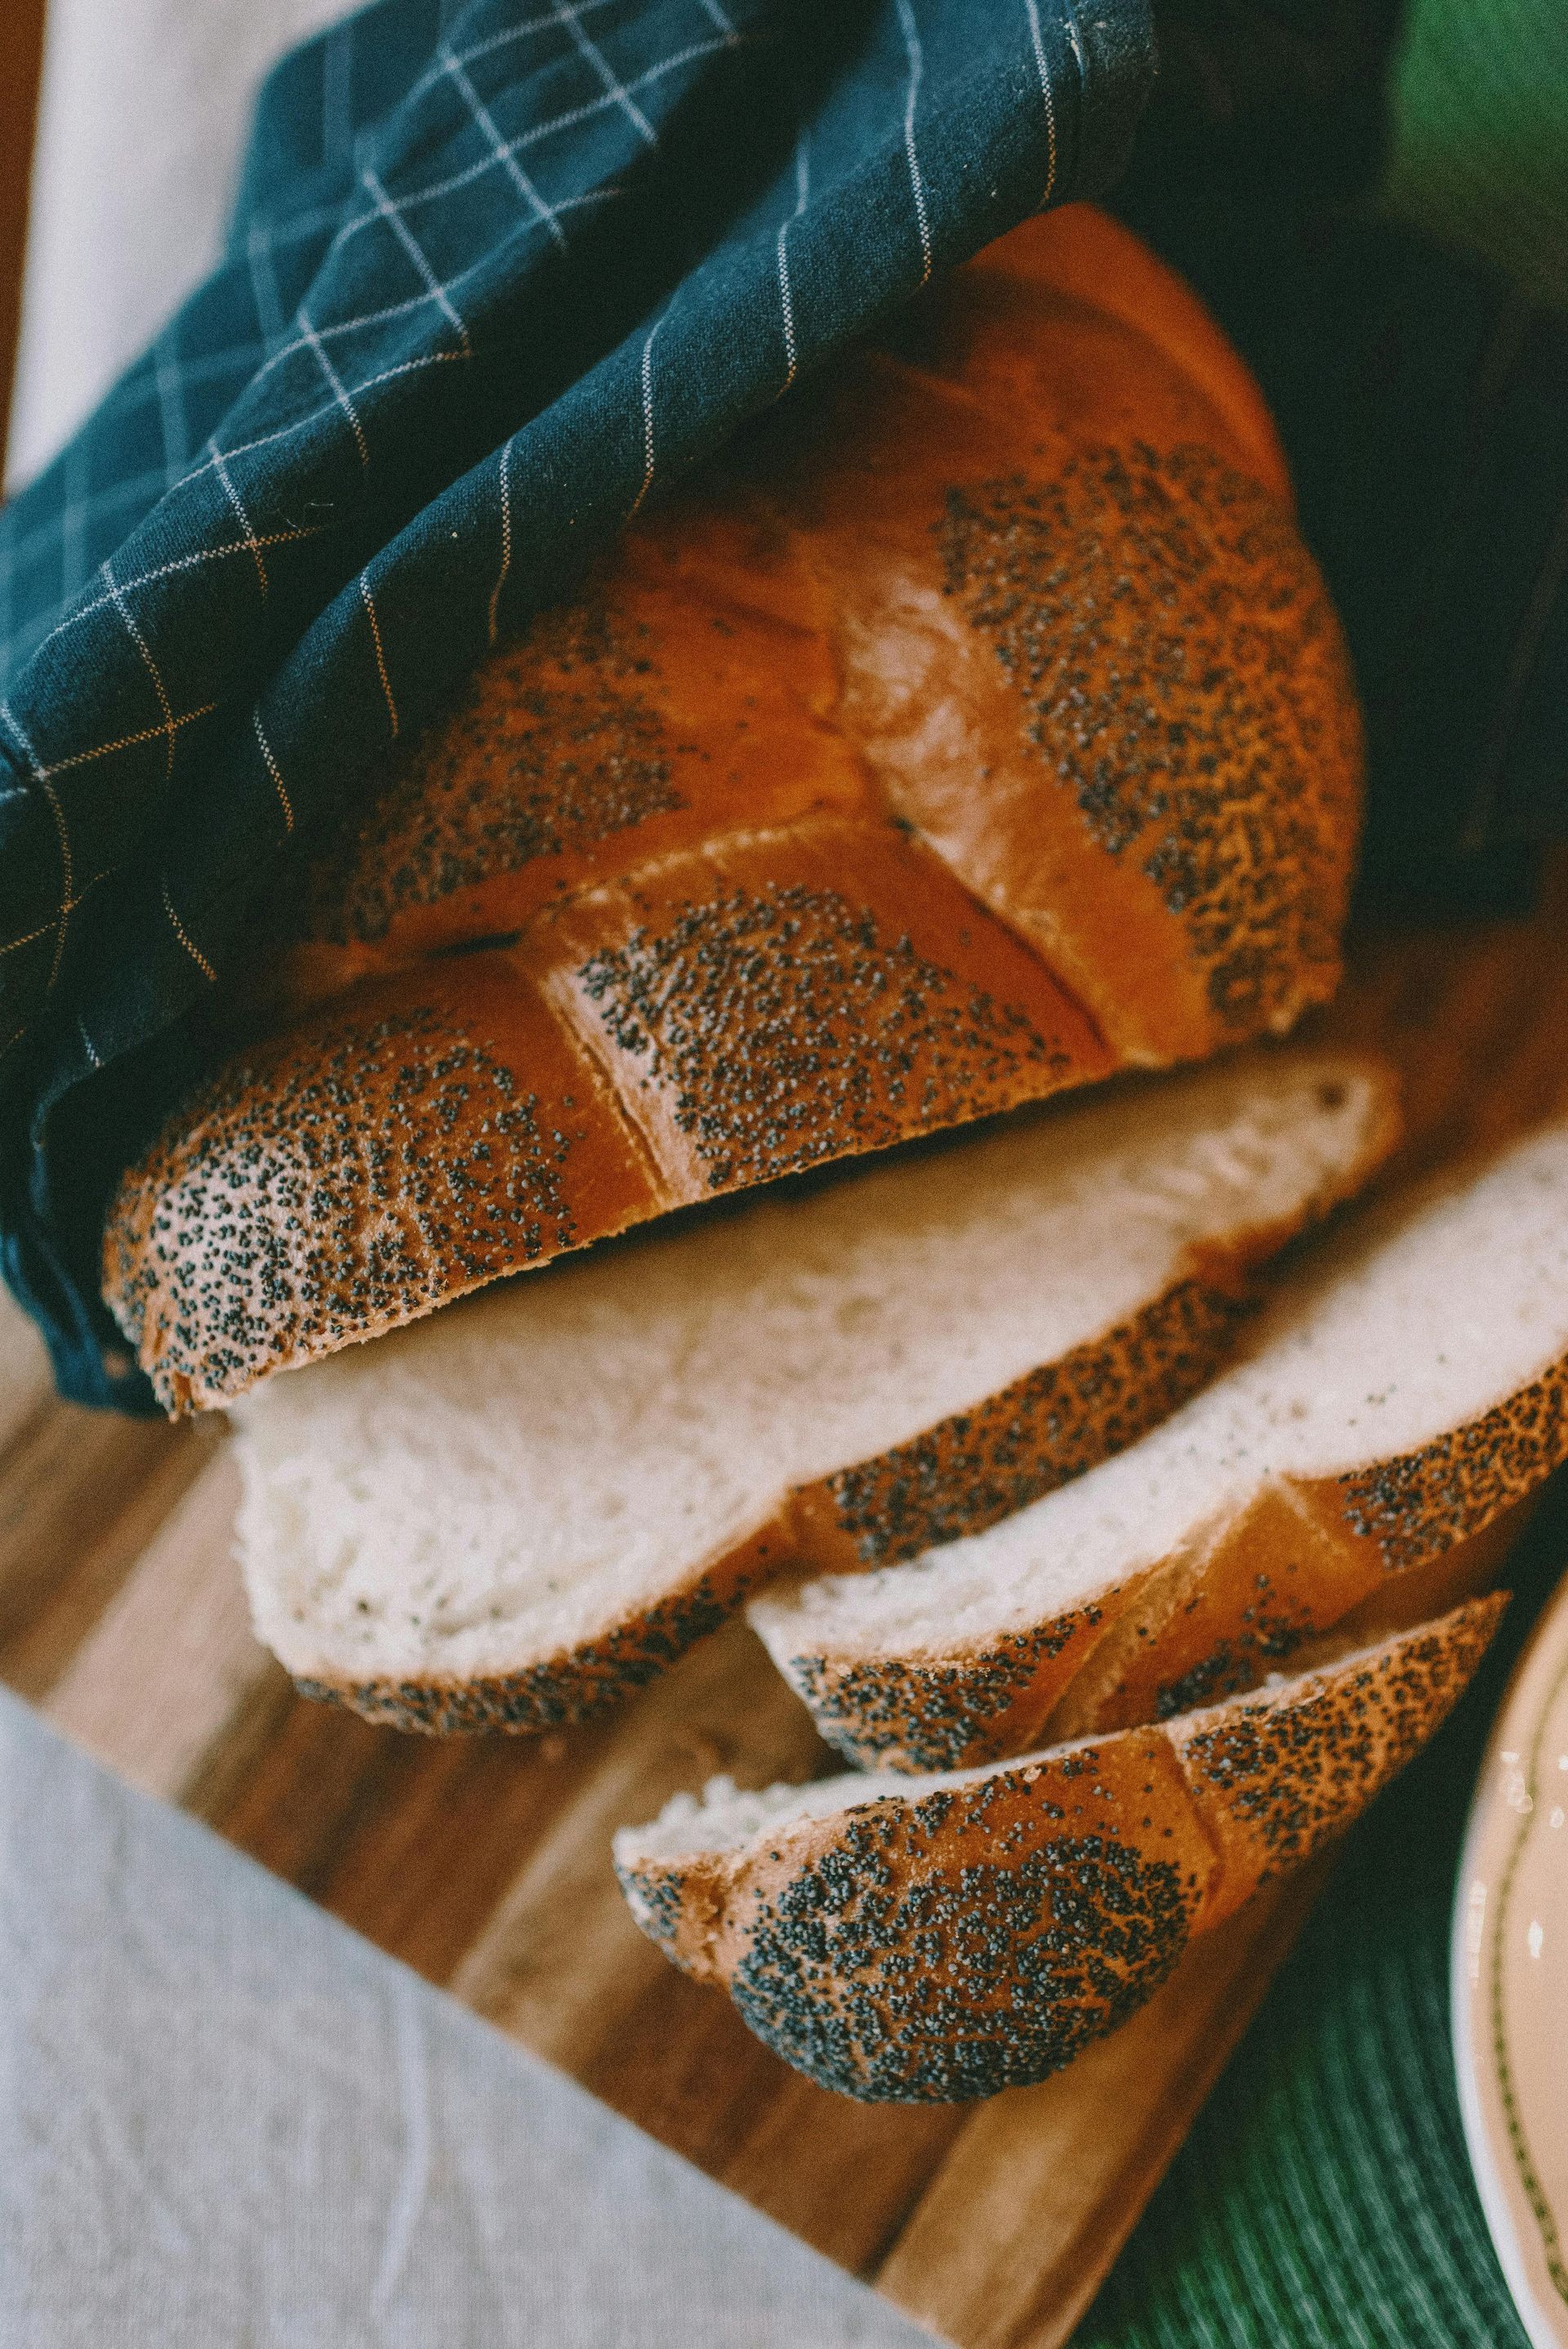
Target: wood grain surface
x,y
21,58
483,1863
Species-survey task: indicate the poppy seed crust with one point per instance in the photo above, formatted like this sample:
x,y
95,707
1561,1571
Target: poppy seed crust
x,y
555,743
306,1196
942,1986
971,1934
1181,674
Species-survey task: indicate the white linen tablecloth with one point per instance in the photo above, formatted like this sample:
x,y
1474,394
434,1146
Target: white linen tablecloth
x,y
226,2122
142,114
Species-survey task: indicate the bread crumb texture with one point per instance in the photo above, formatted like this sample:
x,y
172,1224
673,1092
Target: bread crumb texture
x,y
1184,677
480,1511
1053,1423
1405,1386
566,1687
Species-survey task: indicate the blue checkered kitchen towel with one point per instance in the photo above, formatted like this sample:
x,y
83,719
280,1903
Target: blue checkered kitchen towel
x,y
495,269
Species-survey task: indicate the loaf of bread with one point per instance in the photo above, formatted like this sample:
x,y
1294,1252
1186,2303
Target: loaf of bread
x,y
1405,1387
522,1507
944,1937
976,728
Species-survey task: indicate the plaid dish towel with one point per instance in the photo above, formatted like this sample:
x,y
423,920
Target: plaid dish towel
x,y
495,269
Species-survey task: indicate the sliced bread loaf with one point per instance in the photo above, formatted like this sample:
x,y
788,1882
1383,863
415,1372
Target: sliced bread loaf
x,y
977,728
944,1937
534,1500
1405,1385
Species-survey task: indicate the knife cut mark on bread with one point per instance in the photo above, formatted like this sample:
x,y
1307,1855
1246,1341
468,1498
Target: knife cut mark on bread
x,y
945,1937
977,727
532,1502
1405,1386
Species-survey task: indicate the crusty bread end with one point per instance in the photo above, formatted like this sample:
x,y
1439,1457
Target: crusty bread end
x,y
932,1940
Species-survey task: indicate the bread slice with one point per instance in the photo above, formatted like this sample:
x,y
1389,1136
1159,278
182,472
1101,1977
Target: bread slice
x,y
1407,1384
978,727
943,1936
533,1501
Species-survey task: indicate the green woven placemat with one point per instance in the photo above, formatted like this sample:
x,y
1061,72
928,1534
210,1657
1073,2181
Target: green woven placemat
x,y
1324,2198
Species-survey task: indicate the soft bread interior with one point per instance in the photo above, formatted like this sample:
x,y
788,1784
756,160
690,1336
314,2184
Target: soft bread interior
x,y
507,1480
726,1818
1413,1322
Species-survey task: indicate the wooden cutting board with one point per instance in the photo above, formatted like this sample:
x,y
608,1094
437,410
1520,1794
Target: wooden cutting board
x,y
484,1863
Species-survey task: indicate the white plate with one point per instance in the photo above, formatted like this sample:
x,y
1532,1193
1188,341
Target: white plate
x,y
1508,1966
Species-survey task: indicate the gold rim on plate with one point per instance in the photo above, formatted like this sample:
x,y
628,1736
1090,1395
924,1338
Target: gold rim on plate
x,y
1509,1980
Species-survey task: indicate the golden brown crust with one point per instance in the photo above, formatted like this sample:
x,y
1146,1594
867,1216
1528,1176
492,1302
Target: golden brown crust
x,y
955,1479
960,1475
952,1942
554,746
1276,1775
1227,1609
977,727
1222,685
650,1045
1229,1606
951,1705
1092,259
1306,1554
1123,639
1461,1481
654,713
577,1682
956,1941
982,1464
420,1140
770,1002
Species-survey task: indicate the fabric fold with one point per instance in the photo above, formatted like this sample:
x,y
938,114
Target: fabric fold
x,y
230,2121
496,275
